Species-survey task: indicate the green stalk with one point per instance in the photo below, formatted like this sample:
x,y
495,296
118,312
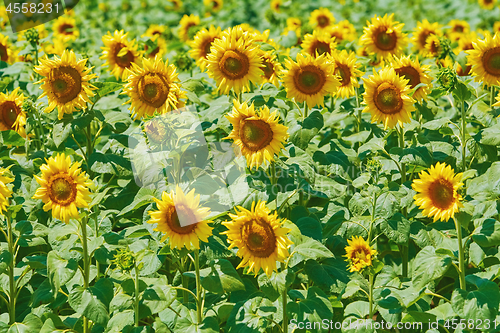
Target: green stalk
x,y
86,266
370,298
306,110
404,248
284,299
12,265
136,295
461,260
492,96
199,305
185,283
359,110
273,173
464,166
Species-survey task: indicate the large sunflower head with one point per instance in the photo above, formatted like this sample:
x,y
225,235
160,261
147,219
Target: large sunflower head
x,y
457,28
64,187
12,116
119,53
423,30
181,219
186,23
65,82
64,28
485,60
487,4
309,79
346,70
318,43
384,36
272,68
415,73
5,189
259,236
234,61
437,192
321,19
151,87
259,136
359,254
386,98
201,44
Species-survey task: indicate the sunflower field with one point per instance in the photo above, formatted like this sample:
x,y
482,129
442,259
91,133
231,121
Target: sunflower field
x,y
203,166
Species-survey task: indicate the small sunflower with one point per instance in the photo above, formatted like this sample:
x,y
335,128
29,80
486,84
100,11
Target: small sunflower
x,y
487,4
159,50
119,53
5,189
437,192
350,33
175,5
465,42
384,36
64,28
259,236
309,79
485,60
12,116
276,5
151,88
181,219
271,68
186,23
457,29
201,44
6,51
65,83
422,32
64,187
386,98
347,71
293,23
259,136
155,30
336,33
321,19
180,97
318,43
213,6
359,254
234,62
433,47
415,73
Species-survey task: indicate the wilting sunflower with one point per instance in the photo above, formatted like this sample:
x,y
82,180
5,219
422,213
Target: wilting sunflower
x,y
64,187
213,6
487,4
234,62
423,30
12,116
271,68
347,71
185,23
259,236
437,192
151,87
386,98
64,28
201,43
5,189
181,219
485,60
415,73
384,36
119,53
457,29
318,43
309,79
359,254
65,83
260,136
321,19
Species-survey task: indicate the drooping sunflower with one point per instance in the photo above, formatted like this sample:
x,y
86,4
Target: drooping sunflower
x,y
457,29
5,189
201,44
151,87
119,53
65,83
437,192
272,68
423,30
64,187
346,69
384,36
186,23
309,79
6,51
386,98
234,62
487,4
359,254
415,73
12,116
260,136
485,60
181,219
318,43
64,28
321,19
213,6
259,236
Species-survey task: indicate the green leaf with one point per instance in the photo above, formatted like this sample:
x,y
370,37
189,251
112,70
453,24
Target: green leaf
x,y
313,305
88,302
11,138
222,278
486,232
419,156
60,270
486,186
5,259
159,296
30,324
120,320
148,262
107,87
329,274
490,135
396,229
429,265
110,163
312,249
461,92
480,304
251,316
310,227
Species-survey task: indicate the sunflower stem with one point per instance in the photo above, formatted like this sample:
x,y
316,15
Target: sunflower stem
x,y
464,166
199,305
12,265
306,110
461,269
284,299
404,248
370,297
40,126
136,295
185,284
86,268
492,96
273,173
359,110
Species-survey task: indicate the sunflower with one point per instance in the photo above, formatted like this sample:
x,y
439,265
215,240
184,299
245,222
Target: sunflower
x,y
485,60
386,98
186,23
64,28
433,47
337,33
293,24
271,69
213,6
175,5
487,4
12,116
422,32
276,5
151,87
65,83
457,29
347,71
415,73
5,189
259,136
6,52
350,33
384,37
234,62
201,44
56,47
160,48
259,236
155,30
309,79
64,187
465,42
496,27
318,43
437,192
359,254
181,219
4,17
119,53
321,19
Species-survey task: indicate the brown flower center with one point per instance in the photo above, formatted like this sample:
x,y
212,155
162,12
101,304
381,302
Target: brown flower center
x,y
318,48
180,215
153,89
422,39
66,83
268,69
66,29
458,28
62,189
323,21
442,193
409,73
123,59
205,47
256,134
491,61
8,114
388,98
259,237
309,80
4,55
344,73
385,41
234,64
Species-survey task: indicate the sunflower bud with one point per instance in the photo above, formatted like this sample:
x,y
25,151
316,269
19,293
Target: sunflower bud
x,y
32,36
183,62
373,166
447,78
444,48
124,260
28,106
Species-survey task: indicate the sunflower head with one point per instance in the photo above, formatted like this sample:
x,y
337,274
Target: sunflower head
x,y
201,45
5,188
271,69
485,60
187,23
12,115
321,19
124,260
384,36
423,30
487,4
318,43
64,28
437,192
359,254
457,28
213,6
415,73
347,72
119,53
